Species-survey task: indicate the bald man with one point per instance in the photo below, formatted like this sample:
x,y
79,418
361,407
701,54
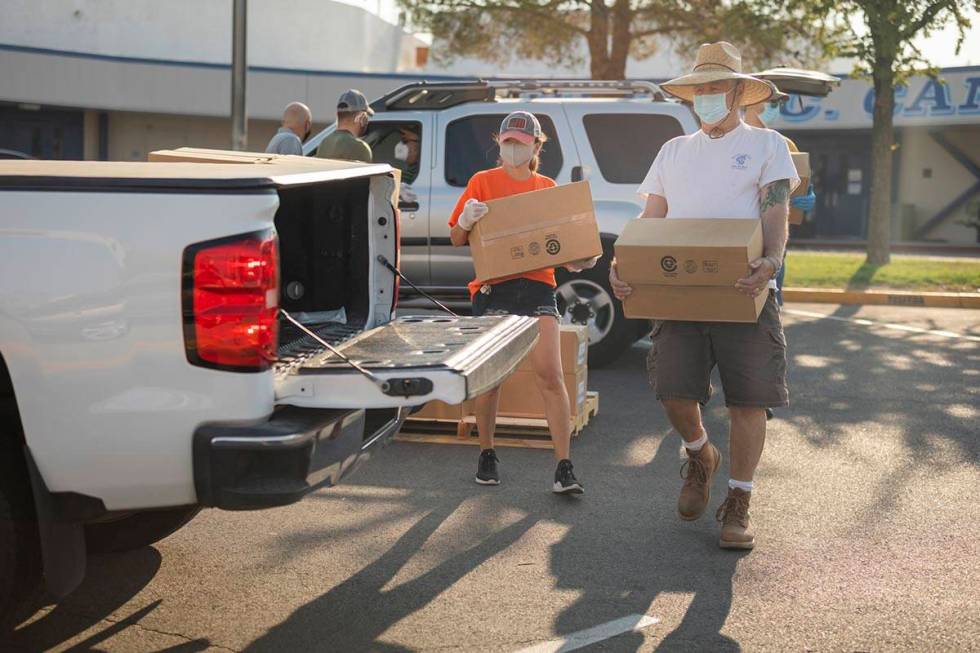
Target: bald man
x,y
296,123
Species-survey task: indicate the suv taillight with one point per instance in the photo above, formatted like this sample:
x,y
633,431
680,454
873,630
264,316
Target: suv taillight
x,y
231,302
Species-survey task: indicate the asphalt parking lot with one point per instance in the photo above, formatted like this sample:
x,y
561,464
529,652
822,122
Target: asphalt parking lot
x,y
866,510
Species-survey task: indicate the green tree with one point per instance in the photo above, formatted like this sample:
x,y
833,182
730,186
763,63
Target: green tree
x,y
502,31
879,35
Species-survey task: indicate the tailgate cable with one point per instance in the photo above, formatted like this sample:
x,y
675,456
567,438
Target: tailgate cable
x,y
374,378
385,262
405,387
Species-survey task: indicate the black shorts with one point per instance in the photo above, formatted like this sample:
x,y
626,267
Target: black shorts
x,y
751,359
516,297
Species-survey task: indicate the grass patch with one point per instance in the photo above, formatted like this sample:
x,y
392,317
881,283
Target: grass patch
x,y
849,270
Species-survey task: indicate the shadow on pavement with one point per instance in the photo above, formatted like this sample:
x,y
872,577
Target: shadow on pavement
x,y
112,581
352,615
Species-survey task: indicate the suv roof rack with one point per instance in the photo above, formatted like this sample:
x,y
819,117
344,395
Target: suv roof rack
x,y
442,95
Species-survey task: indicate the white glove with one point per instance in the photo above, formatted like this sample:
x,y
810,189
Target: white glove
x,y
473,210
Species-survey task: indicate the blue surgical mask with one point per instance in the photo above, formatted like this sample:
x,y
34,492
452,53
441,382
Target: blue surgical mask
x,y
711,108
769,114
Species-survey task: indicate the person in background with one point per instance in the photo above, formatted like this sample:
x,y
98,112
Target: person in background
x,y
531,294
407,160
296,124
762,115
353,116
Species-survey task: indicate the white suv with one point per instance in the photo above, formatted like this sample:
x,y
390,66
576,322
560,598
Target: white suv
x,y
605,132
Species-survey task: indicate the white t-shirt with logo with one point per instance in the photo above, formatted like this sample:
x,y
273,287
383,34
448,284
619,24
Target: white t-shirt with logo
x,y
704,177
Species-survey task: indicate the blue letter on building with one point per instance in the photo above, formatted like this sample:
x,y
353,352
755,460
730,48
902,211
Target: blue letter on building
x,y
936,93
971,104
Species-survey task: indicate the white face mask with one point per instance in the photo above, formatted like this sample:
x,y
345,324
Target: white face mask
x,y
515,154
401,151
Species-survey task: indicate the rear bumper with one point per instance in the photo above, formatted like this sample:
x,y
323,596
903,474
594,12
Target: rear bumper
x,y
280,461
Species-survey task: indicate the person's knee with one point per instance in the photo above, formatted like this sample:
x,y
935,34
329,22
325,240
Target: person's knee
x,y
685,410
550,381
746,414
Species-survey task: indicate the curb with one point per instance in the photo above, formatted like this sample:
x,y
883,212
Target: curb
x,y
891,298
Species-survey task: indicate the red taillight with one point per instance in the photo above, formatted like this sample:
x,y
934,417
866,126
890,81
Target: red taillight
x,y
231,302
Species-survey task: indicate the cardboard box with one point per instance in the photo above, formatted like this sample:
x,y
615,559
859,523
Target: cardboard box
x,y
802,162
520,397
531,231
686,269
688,252
574,349
693,303
201,155
441,410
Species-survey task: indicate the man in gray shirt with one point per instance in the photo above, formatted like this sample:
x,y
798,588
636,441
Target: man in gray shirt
x,y
296,123
353,114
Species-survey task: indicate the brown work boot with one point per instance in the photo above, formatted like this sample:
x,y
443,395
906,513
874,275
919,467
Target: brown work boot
x,y
736,533
697,471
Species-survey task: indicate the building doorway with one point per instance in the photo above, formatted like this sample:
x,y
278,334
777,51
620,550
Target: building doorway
x,y
42,134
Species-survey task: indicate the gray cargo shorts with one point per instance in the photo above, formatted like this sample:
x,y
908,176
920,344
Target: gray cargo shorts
x,y
751,360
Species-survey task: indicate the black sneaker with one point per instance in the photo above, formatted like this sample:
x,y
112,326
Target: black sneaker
x,y
486,471
769,414
565,481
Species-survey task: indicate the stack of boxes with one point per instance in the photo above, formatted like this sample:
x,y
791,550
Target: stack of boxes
x,y
519,395
686,269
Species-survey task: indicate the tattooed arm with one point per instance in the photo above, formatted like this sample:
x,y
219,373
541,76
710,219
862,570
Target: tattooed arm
x,y
774,207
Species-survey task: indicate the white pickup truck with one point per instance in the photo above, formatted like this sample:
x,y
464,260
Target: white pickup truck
x,y
150,365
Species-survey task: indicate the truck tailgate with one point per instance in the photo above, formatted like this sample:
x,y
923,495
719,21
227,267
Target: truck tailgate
x,y
419,359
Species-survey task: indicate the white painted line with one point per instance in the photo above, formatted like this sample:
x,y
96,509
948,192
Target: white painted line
x,y
886,325
582,638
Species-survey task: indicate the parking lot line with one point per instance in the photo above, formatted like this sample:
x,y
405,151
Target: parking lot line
x,y
582,638
885,325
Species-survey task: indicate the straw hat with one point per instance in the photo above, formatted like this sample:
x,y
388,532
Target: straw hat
x,y
716,62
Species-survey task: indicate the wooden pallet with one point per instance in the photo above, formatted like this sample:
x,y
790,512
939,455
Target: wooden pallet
x,y
512,431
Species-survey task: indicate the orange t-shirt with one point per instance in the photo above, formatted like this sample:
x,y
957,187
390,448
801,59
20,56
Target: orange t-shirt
x,y
491,185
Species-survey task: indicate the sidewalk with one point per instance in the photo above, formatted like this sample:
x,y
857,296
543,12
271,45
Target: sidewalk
x,y
891,297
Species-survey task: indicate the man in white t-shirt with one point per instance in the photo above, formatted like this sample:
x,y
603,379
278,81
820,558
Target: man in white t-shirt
x,y
727,169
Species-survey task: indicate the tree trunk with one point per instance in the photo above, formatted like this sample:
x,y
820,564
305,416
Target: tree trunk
x,y
621,39
882,143
598,39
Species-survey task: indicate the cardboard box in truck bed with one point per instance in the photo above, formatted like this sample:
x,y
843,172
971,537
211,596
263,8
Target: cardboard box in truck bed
x,y
686,269
802,162
530,231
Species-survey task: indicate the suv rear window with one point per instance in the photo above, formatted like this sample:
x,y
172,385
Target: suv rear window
x,y
625,144
470,147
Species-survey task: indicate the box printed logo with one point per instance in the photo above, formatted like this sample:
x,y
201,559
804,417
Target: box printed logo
x,y
534,248
690,266
710,266
551,244
668,264
517,252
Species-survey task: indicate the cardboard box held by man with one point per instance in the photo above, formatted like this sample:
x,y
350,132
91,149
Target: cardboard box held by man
x,y
687,269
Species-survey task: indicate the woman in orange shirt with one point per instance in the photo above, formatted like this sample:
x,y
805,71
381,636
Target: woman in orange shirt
x,y
531,294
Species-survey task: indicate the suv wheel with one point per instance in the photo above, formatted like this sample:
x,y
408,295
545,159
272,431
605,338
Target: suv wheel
x,y
586,298
137,530
20,559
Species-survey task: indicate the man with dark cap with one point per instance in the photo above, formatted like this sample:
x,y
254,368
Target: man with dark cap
x,y
353,114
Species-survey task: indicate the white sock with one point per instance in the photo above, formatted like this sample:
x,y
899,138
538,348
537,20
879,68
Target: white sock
x,y
744,486
697,444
